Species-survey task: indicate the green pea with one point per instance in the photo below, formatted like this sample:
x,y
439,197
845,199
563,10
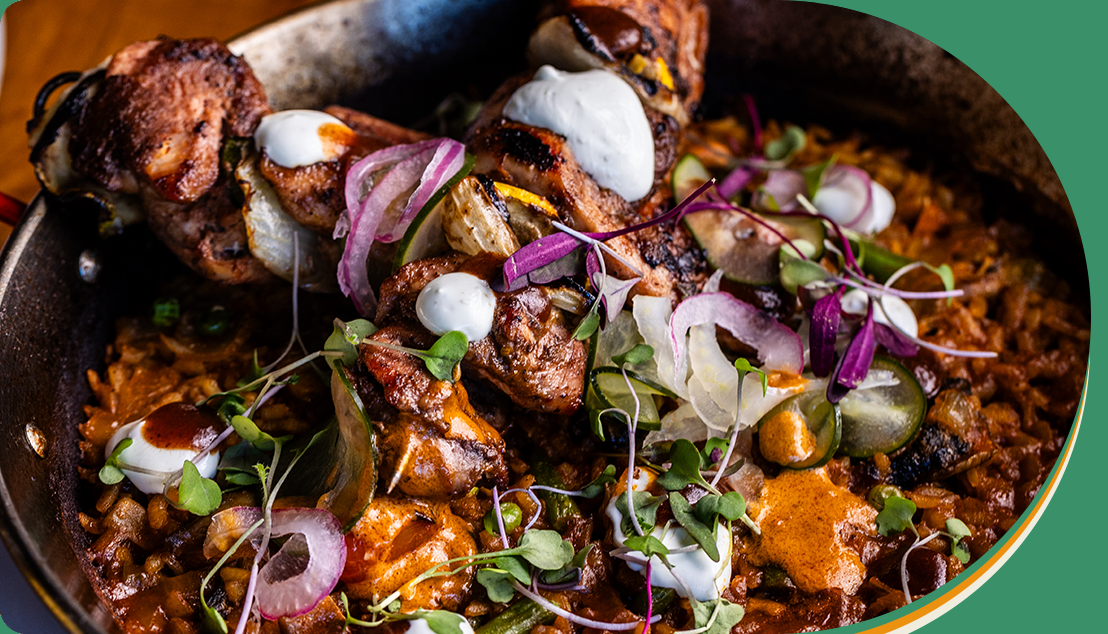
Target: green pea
x,y
512,514
215,322
881,492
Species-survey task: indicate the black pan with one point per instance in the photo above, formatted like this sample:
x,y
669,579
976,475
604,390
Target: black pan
x,y
61,286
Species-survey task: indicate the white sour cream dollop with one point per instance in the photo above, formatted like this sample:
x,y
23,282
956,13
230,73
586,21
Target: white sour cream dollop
x,y
292,138
457,301
601,118
705,578
896,311
145,455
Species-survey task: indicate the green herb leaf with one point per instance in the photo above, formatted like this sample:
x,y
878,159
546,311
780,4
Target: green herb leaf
x,y
712,445
596,487
730,506
699,531
516,566
684,468
727,615
958,531
639,354
447,352
241,478
596,423
796,273
197,495
646,510
110,473
896,516
511,514
498,583
545,549
248,431
167,311
212,621
566,572
648,545
345,339
813,175
441,621
743,366
589,324
785,147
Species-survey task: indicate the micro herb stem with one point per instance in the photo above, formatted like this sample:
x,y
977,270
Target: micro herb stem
x,y
593,241
708,625
264,379
880,290
632,425
569,616
731,442
535,499
499,518
904,561
295,312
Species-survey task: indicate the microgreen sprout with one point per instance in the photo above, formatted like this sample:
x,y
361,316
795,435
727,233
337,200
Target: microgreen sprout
x,y
896,516
443,357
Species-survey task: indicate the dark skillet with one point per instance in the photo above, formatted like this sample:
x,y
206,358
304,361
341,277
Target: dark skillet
x,y
61,286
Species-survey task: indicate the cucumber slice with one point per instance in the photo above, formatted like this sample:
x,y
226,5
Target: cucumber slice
x,y
745,250
688,174
822,420
424,237
338,470
607,388
882,419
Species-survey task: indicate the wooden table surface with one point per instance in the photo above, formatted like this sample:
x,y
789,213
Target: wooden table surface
x,y
47,37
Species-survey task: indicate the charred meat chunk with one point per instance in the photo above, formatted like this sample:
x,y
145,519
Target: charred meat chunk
x,y
161,114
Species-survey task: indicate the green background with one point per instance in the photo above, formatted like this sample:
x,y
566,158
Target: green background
x,y
1048,60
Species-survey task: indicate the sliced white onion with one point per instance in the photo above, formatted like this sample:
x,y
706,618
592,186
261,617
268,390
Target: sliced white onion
x,y
652,315
714,385
889,310
778,347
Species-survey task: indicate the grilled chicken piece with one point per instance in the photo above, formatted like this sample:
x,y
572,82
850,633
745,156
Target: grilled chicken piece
x,y
609,35
161,114
433,443
208,235
530,355
541,161
314,194
396,540
656,47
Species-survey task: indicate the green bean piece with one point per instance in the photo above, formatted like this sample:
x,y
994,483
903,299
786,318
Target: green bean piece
x,y
519,618
878,262
559,507
664,598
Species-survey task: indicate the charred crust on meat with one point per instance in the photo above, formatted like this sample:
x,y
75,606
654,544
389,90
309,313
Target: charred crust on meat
x,y
933,452
522,145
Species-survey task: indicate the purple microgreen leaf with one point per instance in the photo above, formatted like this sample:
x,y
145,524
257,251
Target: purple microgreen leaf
x,y
537,254
826,315
855,362
897,344
736,180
